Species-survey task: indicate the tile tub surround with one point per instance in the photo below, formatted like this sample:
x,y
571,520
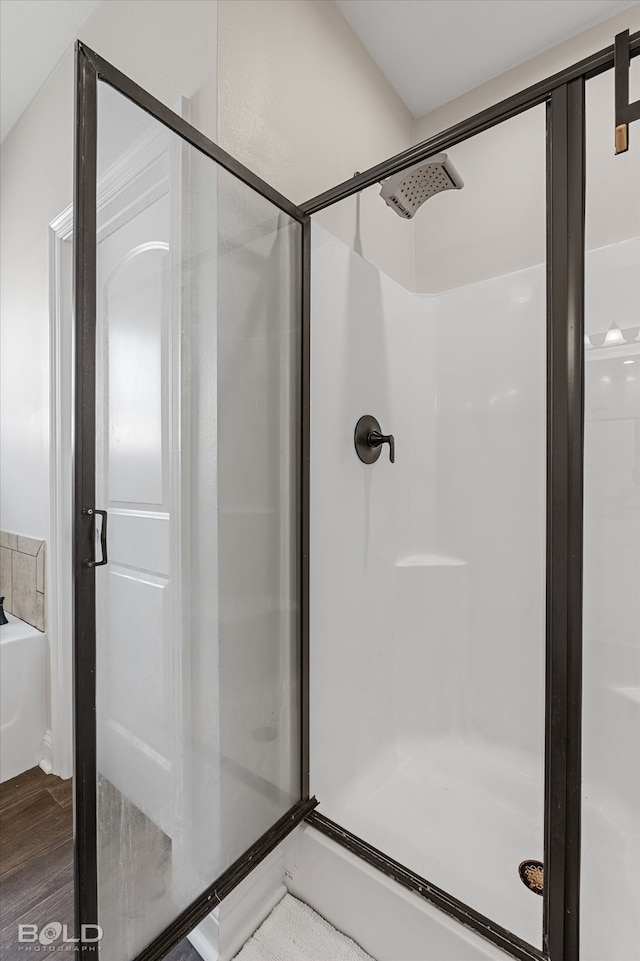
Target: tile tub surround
x,y
22,577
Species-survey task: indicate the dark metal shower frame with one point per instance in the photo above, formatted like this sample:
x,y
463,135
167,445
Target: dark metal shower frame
x,y
563,94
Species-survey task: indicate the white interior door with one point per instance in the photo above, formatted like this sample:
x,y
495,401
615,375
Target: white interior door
x,y
135,602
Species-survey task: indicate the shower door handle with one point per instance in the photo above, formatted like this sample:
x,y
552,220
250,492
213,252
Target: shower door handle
x,y
103,538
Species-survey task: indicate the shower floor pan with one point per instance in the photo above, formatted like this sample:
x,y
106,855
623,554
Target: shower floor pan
x,y
463,815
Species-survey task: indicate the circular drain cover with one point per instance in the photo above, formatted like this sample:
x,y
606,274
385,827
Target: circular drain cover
x,y
532,875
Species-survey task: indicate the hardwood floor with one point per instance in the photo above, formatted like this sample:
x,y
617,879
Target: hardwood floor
x,y
36,862
36,856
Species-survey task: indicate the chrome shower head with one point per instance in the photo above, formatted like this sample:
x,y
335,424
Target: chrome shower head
x,y
408,190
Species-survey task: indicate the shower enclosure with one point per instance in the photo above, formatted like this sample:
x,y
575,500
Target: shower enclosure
x,y
271,627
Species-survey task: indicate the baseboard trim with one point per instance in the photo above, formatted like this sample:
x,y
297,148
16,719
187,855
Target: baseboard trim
x,y
47,752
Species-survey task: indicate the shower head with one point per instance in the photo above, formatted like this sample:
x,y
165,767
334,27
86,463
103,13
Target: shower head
x,y
408,190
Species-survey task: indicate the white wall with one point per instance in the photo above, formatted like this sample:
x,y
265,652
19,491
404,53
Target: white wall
x,y
301,100
497,223
302,103
467,235
524,75
168,47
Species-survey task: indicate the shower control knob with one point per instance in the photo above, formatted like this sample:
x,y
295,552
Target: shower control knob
x,y
368,440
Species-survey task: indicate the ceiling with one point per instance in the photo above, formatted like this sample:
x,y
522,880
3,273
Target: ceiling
x,y
428,49
33,36
432,51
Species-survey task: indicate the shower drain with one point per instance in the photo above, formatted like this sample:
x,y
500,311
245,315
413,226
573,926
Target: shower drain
x,y
532,875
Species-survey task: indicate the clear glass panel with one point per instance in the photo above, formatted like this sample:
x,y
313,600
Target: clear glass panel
x,y
610,882
197,464
428,575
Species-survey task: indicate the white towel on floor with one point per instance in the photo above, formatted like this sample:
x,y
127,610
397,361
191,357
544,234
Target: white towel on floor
x,y
294,932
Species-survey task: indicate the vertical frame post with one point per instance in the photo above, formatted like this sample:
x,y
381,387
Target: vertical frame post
x,y
305,480
565,425
626,112
84,636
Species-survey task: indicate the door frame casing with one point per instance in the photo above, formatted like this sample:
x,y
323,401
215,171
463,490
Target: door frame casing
x,y
59,557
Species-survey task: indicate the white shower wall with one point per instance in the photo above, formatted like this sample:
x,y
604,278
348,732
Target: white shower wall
x,y
427,367
369,335
428,575
491,362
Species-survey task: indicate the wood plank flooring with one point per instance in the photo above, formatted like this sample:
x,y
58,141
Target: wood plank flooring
x,y
36,861
36,856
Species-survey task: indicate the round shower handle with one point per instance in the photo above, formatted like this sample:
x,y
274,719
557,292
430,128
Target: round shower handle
x,y
368,440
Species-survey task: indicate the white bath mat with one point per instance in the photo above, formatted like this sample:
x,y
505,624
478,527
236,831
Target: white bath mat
x,y
294,932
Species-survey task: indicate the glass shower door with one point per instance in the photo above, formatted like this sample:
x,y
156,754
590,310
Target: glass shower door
x,y
610,868
189,624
